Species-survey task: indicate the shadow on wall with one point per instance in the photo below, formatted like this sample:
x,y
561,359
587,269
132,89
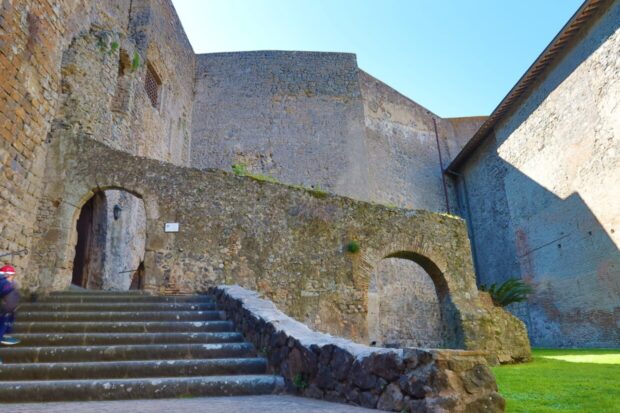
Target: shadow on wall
x,y
556,243
519,228
408,283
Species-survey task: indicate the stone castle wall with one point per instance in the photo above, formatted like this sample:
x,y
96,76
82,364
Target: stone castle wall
x,y
67,65
67,69
33,37
544,195
315,119
296,116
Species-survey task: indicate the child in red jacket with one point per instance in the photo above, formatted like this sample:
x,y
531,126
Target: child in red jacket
x,y
9,298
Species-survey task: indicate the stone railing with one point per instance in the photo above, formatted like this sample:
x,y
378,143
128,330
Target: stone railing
x,y
321,366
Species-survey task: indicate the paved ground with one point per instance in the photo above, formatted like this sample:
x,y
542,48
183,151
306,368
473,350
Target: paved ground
x,y
263,404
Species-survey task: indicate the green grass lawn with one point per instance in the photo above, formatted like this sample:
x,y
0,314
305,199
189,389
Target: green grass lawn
x,y
580,381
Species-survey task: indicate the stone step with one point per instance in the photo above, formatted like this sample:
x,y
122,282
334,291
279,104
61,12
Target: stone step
x,y
139,388
98,339
120,306
121,316
120,298
125,352
123,327
132,369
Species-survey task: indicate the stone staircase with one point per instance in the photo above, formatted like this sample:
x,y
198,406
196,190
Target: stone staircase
x,y
92,345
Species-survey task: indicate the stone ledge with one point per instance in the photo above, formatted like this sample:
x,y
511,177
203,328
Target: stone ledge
x,y
321,366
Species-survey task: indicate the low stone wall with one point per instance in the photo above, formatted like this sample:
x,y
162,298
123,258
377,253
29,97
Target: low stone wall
x,y
291,244
325,367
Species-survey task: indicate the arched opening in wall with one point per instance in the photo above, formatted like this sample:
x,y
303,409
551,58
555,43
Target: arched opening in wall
x,y
111,239
409,304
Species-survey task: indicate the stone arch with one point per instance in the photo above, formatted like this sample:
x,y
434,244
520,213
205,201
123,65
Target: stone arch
x,y
58,245
110,243
411,305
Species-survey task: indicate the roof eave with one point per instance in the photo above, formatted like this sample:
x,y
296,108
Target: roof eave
x,y
582,18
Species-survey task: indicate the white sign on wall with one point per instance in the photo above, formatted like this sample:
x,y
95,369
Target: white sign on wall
x,y
171,227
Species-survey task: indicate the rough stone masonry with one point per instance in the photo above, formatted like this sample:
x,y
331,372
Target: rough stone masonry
x,y
288,243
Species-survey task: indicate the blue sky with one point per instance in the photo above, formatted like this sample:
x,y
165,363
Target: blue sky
x,y
455,57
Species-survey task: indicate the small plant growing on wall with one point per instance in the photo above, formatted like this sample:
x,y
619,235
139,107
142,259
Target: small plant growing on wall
x,y
300,382
510,291
135,61
113,47
239,169
353,246
318,192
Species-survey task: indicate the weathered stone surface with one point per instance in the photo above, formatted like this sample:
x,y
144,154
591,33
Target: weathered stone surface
x,y
232,227
67,70
391,399
543,193
66,65
387,379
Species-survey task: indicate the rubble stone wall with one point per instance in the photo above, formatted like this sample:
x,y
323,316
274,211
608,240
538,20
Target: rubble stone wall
x,y
325,367
288,243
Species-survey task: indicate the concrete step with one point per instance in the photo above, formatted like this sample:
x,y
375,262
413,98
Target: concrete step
x,y
139,388
132,369
120,306
122,327
125,352
121,316
99,339
124,298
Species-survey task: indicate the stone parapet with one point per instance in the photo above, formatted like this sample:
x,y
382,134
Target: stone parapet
x,y
326,367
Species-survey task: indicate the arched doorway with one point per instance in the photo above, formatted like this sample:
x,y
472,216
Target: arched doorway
x,y
409,304
109,253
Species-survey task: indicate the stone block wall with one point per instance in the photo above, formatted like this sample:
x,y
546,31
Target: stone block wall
x,y
544,196
164,131
325,367
404,170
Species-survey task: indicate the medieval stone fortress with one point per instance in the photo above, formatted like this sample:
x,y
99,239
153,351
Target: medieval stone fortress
x,y
278,221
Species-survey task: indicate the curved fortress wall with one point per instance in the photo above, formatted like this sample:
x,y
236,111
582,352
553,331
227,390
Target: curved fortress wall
x,y
296,116
316,119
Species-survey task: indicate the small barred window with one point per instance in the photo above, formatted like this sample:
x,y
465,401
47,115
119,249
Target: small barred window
x,y
152,84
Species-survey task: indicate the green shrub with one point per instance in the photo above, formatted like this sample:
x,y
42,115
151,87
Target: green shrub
x,y
353,246
510,291
300,381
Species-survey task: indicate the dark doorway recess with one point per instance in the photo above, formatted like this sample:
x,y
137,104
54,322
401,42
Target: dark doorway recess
x,y
83,246
111,236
